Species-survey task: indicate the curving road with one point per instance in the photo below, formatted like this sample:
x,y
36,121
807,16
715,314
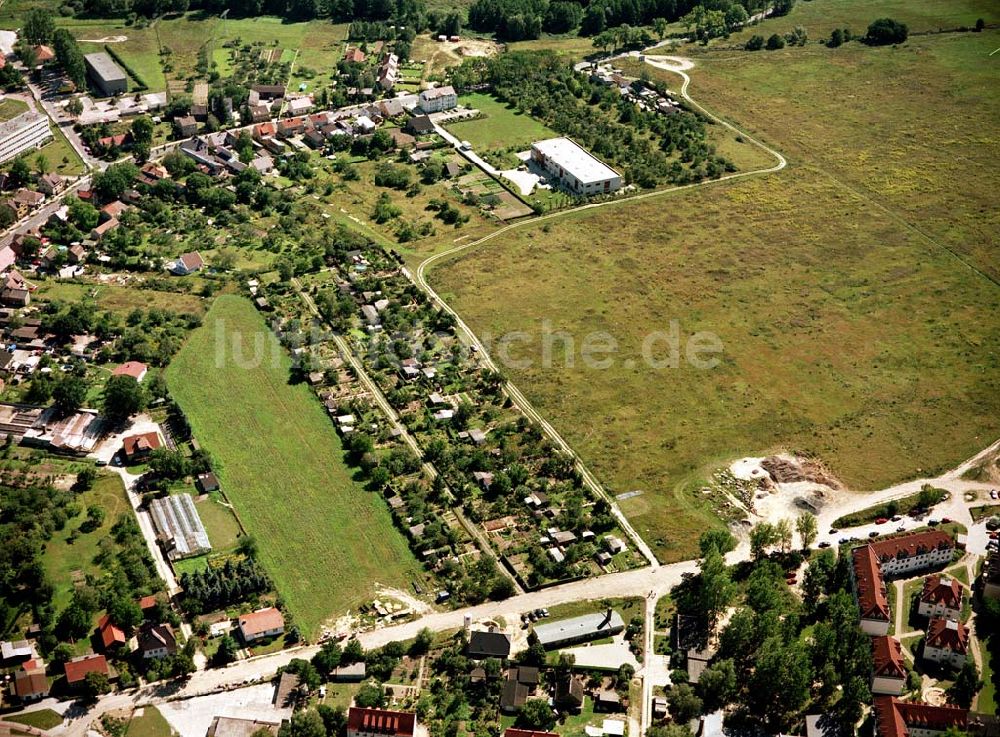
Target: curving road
x,y
679,66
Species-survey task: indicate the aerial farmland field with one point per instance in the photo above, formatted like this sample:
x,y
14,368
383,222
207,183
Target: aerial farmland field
x,y
852,292
324,539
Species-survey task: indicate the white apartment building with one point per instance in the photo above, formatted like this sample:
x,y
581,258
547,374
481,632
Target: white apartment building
x,y
28,131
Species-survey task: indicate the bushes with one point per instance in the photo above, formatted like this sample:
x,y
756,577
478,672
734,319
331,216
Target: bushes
x,y
886,31
775,42
755,43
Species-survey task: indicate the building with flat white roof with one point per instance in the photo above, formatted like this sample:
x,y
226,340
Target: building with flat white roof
x,y
584,628
27,131
577,169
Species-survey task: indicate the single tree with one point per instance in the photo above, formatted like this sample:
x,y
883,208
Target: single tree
x,y
807,528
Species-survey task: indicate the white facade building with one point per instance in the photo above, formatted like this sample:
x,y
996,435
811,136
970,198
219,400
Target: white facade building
x,y
437,99
27,131
577,169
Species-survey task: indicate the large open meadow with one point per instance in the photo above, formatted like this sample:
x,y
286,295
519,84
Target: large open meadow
x,y
853,293
323,538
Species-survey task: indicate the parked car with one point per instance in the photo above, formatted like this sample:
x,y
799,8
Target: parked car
x,y
881,521
824,544
834,530
901,528
897,518
933,522
945,520
873,533
993,493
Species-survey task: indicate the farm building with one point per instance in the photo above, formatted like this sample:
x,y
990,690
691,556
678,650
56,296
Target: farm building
x,y
106,74
577,169
179,526
25,132
362,722
579,629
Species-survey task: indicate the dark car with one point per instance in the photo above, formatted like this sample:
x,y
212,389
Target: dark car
x,y
824,544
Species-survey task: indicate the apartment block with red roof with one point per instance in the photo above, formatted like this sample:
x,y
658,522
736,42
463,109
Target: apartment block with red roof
x,y
946,642
871,564
941,597
364,722
895,718
888,667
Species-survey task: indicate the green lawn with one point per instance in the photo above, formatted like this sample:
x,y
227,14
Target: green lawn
x,y
42,719
150,724
69,555
11,108
889,509
844,290
501,128
324,539
986,702
120,299
220,523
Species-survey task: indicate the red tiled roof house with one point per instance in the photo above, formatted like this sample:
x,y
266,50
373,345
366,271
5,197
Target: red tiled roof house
x,y
261,624
78,668
871,564
895,718
889,670
138,447
946,642
363,722
941,597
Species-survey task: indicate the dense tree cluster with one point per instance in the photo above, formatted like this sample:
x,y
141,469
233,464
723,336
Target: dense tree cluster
x,y
765,665
886,31
237,580
650,148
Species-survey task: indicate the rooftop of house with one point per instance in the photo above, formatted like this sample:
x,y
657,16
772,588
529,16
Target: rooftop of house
x,y
895,718
381,721
78,668
261,620
941,589
871,590
947,634
887,657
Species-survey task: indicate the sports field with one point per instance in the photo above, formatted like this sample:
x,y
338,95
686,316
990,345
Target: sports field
x,y
323,539
853,293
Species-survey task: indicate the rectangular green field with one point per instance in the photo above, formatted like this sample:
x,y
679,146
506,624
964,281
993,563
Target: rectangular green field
x,y
502,126
854,293
323,538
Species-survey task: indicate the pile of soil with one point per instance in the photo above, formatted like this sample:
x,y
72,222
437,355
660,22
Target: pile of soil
x,y
785,470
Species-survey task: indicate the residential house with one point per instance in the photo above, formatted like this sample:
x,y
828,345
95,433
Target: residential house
x,y
889,669
113,210
78,668
16,292
103,229
43,54
188,263
437,99
353,673
30,683
607,700
291,127
112,636
136,369
51,183
298,106
941,597
138,447
365,722
946,642
261,624
488,645
269,91
388,72
569,694
157,641
186,125
354,55
391,108
419,125
259,113
76,254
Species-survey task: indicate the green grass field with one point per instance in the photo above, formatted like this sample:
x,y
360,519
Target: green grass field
x,y
11,108
120,299
41,719
220,523
69,555
324,539
847,291
502,127
150,723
